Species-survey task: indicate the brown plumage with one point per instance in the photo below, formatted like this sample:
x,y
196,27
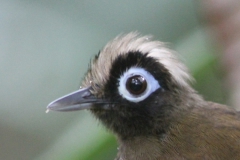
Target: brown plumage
x,y
140,91
210,132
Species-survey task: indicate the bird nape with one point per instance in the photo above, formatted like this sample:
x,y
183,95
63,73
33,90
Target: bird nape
x,y
141,92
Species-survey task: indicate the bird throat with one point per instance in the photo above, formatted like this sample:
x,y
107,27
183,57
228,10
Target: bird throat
x,y
141,148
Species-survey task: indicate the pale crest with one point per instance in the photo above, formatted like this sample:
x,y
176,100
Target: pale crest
x,y
100,68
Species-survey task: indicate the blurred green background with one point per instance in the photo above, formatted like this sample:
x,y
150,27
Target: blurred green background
x,y
45,48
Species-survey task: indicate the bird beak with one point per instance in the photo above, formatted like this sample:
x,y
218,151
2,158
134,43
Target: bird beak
x,y
78,100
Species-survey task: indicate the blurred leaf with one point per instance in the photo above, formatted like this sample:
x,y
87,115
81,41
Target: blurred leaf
x,y
84,140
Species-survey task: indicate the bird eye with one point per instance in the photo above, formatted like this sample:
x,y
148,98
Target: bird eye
x,y
136,84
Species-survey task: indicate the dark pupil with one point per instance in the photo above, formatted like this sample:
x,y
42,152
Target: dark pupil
x,y
136,84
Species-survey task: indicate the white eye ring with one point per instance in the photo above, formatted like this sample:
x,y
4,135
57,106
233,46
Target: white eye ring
x,y
152,84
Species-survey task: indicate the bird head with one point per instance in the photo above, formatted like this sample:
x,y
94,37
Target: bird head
x,y
134,86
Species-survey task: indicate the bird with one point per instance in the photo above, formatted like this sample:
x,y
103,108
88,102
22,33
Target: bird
x,y
142,92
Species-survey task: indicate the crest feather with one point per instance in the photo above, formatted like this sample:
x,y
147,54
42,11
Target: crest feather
x,y
123,44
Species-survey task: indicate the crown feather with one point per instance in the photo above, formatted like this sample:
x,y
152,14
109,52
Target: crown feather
x,y
123,44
